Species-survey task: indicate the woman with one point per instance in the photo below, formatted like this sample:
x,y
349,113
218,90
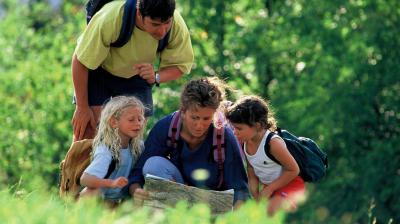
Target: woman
x,y
200,101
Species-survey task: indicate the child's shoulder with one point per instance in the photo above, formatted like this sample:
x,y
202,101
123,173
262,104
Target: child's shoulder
x,y
101,149
276,141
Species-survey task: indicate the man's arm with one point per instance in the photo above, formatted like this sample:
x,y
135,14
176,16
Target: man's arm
x,y
83,114
169,74
146,71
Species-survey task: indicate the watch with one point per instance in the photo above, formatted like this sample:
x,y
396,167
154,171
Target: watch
x,y
157,79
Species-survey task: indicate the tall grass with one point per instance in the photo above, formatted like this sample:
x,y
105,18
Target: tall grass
x,y
41,207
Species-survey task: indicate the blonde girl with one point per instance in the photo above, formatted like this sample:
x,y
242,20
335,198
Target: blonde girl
x,y
119,139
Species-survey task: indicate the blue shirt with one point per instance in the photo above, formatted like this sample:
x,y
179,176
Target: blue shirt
x,y
99,166
187,160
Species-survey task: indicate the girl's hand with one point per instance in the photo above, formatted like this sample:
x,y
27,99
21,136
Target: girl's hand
x,y
266,191
119,182
257,197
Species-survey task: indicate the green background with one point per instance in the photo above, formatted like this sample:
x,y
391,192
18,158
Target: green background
x,y
329,68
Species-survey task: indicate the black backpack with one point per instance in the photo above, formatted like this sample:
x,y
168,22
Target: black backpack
x,y
312,161
128,22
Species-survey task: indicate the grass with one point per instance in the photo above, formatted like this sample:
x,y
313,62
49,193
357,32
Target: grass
x,y
43,207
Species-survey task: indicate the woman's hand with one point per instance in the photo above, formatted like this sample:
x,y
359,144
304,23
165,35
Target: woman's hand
x,y
139,196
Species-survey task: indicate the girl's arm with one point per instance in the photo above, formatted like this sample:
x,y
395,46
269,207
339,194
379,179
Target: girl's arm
x,y
253,182
93,176
290,168
91,181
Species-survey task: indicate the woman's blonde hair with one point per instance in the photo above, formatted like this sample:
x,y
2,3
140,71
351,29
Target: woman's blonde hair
x,y
108,136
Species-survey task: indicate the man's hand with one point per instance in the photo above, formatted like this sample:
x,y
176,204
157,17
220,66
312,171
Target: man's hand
x,y
146,71
119,182
82,116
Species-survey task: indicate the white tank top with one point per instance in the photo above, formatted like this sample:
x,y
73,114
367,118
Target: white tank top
x,y
265,168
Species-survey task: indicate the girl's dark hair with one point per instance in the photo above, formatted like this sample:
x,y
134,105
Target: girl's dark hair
x,y
251,110
157,9
203,92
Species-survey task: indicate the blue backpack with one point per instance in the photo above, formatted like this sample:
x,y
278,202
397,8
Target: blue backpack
x,y
128,22
312,161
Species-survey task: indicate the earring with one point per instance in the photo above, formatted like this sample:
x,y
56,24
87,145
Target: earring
x,y
116,131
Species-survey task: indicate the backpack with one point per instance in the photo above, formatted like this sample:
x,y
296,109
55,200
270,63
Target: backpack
x,y
128,22
312,161
218,145
72,167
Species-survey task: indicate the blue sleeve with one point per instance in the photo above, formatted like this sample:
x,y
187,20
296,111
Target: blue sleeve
x,y
155,145
234,171
98,167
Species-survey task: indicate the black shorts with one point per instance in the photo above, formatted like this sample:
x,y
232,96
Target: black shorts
x,y
102,86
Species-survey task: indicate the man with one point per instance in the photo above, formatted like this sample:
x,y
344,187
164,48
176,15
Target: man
x,y
127,70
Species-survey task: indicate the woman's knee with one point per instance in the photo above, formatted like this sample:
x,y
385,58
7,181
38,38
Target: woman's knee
x,y
162,167
154,165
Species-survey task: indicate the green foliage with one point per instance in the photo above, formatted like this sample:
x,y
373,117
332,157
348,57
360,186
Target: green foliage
x,y
344,93
39,207
330,70
36,90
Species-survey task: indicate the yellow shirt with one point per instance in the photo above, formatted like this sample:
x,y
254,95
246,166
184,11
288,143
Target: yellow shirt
x,y
94,49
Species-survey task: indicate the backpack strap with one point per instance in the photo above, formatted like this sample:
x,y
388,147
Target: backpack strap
x,y
219,145
93,6
266,147
162,44
128,24
219,152
111,168
174,130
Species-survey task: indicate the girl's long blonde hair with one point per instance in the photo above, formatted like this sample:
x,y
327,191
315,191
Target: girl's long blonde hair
x,y
108,136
